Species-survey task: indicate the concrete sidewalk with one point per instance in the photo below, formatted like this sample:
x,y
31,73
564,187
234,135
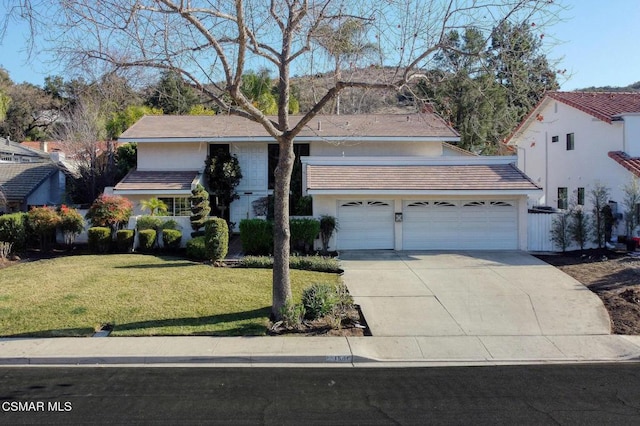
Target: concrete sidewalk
x,y
318,351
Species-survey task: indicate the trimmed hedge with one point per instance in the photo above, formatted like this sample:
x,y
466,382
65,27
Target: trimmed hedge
x,y
99,239
148,222
171,239
304,231
146,239
216,238
124,240
13,229
196,248
256,236
305,263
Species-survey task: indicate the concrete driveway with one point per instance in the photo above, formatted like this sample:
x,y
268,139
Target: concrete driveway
x,y
472,293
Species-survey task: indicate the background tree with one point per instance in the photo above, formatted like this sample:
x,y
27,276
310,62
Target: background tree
x,y
211,44
578,229
631,200
172,94
599,198
126,159
560,234
344,41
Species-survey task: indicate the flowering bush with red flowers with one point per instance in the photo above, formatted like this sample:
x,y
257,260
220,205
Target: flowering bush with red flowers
x,y
42,221
71,223
111,211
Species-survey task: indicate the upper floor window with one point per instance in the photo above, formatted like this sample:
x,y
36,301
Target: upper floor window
x,y
570,142
554,138
580,196
563,198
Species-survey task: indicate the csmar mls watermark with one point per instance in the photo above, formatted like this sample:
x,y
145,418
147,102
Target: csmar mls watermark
x,y
36,406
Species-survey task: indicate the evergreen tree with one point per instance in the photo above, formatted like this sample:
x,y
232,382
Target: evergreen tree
x,y
199,207
172,94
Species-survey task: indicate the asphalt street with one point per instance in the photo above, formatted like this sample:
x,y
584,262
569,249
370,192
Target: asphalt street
x,y
542,394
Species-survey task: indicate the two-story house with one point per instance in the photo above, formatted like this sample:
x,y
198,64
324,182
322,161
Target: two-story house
x,y
392,181
572,141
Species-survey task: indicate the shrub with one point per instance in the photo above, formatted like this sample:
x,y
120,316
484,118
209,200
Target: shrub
x,y
199,207
171,224
292,315
315,263
171,239
99,239
319,300
146,239
13,229
124,240
5,249
303,232
43,222
328,224
148,222
216,237
256,236
578,229
196,248
71,223
110,210
306,263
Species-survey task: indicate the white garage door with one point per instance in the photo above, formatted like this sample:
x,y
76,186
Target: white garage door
x,y
455,224
365,225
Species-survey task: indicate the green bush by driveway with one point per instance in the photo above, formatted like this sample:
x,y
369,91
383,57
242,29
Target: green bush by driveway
x,y
140,295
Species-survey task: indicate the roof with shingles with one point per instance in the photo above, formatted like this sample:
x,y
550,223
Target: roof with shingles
x,y
630,163
347,126
157,181
419,177
14,148
19,180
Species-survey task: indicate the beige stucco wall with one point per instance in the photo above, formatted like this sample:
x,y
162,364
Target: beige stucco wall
x,y
172,156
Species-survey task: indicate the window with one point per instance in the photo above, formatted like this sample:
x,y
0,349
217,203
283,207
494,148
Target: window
x,y
581,196
563,198
554,138
177,206
570,142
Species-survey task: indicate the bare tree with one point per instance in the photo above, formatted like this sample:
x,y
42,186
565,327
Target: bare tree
x,y
82,134
213,43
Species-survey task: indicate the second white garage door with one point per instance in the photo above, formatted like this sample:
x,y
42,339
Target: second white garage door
x,y
365,224
459,225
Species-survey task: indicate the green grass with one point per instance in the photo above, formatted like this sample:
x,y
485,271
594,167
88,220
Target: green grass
x,y
140,295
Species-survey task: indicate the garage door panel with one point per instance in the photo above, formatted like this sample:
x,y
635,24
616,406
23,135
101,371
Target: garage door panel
x,y
365,225
451,224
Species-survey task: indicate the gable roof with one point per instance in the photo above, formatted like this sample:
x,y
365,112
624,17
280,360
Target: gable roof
x,y
19,180
630,163
174,181
186,127
605,106
16,149
433,178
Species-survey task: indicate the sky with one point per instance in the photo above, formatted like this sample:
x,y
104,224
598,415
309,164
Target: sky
x,y
596,41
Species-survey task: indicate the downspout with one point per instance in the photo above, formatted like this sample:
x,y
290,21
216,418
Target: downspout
x,y
546,168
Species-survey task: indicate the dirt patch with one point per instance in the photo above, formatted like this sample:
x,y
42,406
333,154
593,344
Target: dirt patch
x,y
614,277
352,325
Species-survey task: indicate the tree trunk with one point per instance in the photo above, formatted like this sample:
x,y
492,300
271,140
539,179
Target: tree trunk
x,y
282,234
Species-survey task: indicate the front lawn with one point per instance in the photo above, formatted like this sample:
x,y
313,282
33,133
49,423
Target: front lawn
x,y
140,295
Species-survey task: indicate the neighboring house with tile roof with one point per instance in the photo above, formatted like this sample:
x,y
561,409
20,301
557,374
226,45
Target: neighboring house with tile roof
x,y
392,181
14,152
573,140
31,184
